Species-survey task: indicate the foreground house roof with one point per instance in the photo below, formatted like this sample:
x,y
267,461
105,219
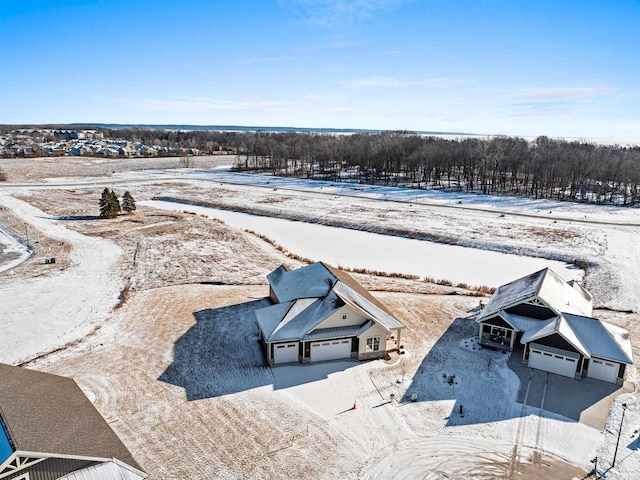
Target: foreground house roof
x,y
546,285
112,470
48,414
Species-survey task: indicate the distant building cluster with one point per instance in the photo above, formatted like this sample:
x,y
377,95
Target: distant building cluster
x,y
59,142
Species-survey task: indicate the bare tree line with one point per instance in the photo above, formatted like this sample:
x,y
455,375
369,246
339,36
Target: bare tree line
x,y
544,168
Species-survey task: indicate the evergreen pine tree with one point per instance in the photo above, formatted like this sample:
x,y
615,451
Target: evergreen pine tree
x,y
114,205
128,203
105,208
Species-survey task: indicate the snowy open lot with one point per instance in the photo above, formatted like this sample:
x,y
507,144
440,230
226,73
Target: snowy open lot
x,y
155,366
383,253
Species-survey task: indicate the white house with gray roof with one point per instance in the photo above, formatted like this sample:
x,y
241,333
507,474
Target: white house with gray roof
x,y
321,313
550,319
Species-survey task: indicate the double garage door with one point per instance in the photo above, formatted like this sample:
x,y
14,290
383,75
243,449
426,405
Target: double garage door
x,y
603,370
330,350
553,362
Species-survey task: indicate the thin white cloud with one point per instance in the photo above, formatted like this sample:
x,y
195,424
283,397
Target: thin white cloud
x,y
336,14
332,97
390,82
204,103
374,82
261,60
561,93
323,46
339,110
556,101
536,109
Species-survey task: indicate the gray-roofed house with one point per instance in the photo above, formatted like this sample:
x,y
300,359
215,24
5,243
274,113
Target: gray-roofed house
x,y
50,430
321,313
551,320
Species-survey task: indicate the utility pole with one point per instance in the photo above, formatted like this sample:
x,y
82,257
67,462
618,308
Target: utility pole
x,y
624,409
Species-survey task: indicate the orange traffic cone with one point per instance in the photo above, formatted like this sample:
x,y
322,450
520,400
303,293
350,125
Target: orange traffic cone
x,y
354,405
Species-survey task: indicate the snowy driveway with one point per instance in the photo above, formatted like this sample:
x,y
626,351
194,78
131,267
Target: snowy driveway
x,y
329,388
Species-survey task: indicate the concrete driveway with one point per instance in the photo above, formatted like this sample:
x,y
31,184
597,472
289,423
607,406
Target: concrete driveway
x,y
587,401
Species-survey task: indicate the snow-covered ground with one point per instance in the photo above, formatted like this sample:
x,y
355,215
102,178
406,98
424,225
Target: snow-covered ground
x,y
547,209
410,439
44,313
12,252
606,236
384,253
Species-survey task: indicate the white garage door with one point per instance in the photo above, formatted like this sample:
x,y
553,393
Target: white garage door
x,y
603,370
330,350
285,352
554,363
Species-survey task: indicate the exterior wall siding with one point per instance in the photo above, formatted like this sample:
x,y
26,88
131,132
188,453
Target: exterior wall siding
x,y
51,469
375,331
336,320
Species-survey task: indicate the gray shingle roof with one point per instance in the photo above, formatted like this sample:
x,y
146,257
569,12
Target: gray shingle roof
x,y
601,339
372,308
590,336
269,317
560,295
49,414
336,332
552,326
512,293
518,321
297,315
311,281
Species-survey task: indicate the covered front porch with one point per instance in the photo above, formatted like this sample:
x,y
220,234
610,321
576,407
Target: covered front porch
x,y
496,337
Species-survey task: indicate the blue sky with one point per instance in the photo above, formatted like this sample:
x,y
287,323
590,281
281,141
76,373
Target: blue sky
x,y
514,67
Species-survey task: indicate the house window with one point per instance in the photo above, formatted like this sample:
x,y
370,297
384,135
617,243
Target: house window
x,y
344,317
373,344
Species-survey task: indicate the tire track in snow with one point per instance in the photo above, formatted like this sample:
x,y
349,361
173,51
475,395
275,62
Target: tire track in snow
x,y
517,447
446,456
537,452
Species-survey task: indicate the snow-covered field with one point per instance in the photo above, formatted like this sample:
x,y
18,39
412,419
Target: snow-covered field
x,y
384,253
156,375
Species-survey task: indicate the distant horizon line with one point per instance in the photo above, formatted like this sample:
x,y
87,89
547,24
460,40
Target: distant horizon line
x,y
250,128
280,129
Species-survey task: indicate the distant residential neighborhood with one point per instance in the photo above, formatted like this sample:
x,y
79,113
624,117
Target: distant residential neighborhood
x,y
38,142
